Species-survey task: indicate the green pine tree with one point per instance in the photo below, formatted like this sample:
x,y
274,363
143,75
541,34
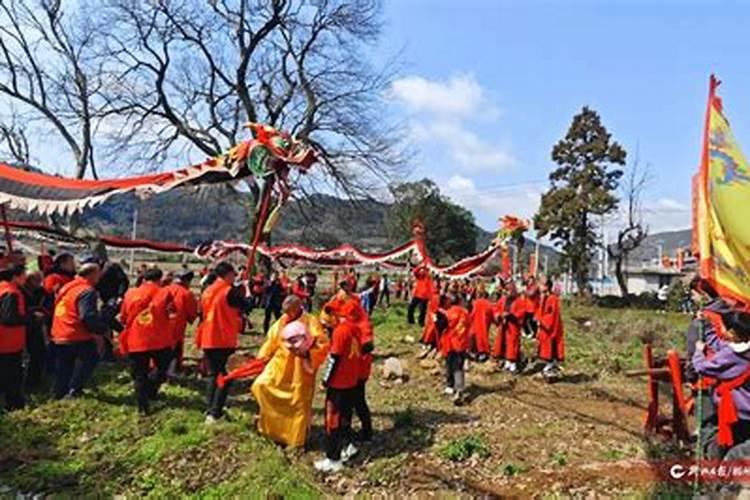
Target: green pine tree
x,y
582,186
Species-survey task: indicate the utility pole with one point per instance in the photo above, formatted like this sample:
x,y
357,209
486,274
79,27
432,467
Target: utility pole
x,y
133,235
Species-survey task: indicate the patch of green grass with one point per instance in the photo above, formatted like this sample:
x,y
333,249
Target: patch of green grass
x,y
463,448
511,469
559,459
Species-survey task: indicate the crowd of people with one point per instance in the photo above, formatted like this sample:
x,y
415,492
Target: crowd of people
x,y
458,317
60,322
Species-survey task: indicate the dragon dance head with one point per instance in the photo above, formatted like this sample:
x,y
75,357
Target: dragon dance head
x,y
512,228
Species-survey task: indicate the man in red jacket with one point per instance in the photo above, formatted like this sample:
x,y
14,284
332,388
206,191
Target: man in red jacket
x,y
340,379
222,305
510,313
455,345
481,319
550,335
147,338
13,318
423,290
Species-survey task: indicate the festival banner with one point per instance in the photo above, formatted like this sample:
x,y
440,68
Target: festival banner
x,y
721,198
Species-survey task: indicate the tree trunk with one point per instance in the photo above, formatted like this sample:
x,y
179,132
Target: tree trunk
x,y
620,275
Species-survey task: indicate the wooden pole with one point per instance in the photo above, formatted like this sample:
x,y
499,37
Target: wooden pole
x,y
8,236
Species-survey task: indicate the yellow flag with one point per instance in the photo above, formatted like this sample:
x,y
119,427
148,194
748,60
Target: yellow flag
x,y
721,204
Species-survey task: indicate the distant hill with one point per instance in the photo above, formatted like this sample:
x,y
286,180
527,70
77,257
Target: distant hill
x,y
670,242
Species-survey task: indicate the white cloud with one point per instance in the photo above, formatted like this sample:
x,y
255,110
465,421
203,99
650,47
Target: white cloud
x,y
460,95
468,150
447,120
488,205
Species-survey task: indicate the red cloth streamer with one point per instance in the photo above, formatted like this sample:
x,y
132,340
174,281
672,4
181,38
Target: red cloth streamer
x,y
252,368
727,410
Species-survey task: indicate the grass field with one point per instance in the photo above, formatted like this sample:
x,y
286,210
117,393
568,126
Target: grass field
x,y
516,437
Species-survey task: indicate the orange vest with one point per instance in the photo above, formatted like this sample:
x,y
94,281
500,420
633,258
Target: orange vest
x,y
67,327
12,338
145,313
185,311
221,323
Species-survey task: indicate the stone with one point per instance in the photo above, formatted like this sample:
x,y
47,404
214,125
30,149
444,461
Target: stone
x,y
393,369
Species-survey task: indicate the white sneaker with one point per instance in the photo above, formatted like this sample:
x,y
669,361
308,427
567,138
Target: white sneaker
x,y
210,420
349,452
328,466
448,390
507,365
512,368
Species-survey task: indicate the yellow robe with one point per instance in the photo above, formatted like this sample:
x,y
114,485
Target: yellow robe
x,y
285,390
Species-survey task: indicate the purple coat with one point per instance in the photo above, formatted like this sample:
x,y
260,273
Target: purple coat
x,y
726,364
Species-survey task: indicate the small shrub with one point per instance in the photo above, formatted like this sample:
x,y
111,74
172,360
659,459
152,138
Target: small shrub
x,y
463,448
559,459
511,469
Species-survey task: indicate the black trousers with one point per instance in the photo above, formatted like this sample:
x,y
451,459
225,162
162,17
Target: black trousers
x,y
363,411
11,380
146,380
36,348
274,310
339,407
216,397
385,298
420,304
74,365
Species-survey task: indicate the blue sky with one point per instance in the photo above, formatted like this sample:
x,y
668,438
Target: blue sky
x,y
490,86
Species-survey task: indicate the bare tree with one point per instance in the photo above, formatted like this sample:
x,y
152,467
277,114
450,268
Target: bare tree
x,y
13,140
45,69
634,230
188,74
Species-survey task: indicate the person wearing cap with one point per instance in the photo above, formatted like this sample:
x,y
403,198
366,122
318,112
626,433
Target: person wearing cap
x,y
340,379
222,306
77,326
13,319
147,338
285,389
185,312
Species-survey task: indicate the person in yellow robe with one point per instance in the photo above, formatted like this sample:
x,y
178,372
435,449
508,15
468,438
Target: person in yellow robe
x,y
285,388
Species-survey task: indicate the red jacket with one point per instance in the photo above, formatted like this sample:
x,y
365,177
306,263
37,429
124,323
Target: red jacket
x,y
53,282
423,285
456,336
145,313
